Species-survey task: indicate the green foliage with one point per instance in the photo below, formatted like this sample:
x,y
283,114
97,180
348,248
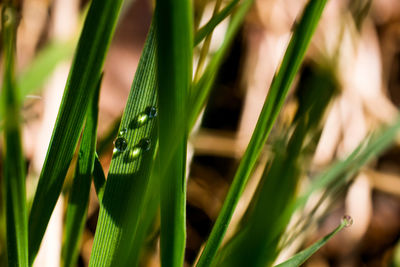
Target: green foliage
x,y
79,194
148,167
82,82
130,167
276,96
277,188
14,165
174,33
302,256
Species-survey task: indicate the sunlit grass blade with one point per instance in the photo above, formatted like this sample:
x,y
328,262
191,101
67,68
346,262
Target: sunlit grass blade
x,y
257,240
14,164
85,72
174,21
122,202
275,99
79,193
302,256
202,88
214,21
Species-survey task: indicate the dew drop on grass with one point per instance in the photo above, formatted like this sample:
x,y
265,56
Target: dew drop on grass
x,y
151,112
347,220
145,144
120,144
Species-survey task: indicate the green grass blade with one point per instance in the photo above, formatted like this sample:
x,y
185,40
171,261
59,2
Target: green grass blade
x,y
79,194
302,256
43,66
14,165
82,81
202,88
127,181
214,21
364,153
174,20
257,241
276,96
99,179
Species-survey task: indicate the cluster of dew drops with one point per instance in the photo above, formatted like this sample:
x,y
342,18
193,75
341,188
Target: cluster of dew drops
x,y
121,144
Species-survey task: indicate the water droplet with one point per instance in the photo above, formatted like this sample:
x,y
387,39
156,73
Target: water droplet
x,y
120,144
123,131
145,144
347,220
151,112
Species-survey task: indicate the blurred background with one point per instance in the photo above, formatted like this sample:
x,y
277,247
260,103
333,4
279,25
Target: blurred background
x,y
357,43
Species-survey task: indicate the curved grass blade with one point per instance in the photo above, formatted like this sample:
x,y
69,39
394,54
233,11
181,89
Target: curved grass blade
x,y
276,96
82,81
122,202
174,31
79,194
207,29
302,256
14,165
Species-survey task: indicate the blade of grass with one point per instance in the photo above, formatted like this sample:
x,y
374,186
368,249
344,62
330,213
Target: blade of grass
x,y
92,47
41,68
202,88
152,202
14,166
258,243
174,20
206,45
43,65
302,256
276,96
122,202
79,194
209,27
364,153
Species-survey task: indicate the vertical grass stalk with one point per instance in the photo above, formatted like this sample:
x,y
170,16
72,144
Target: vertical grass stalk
x,y
14,166
79,194
175,43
